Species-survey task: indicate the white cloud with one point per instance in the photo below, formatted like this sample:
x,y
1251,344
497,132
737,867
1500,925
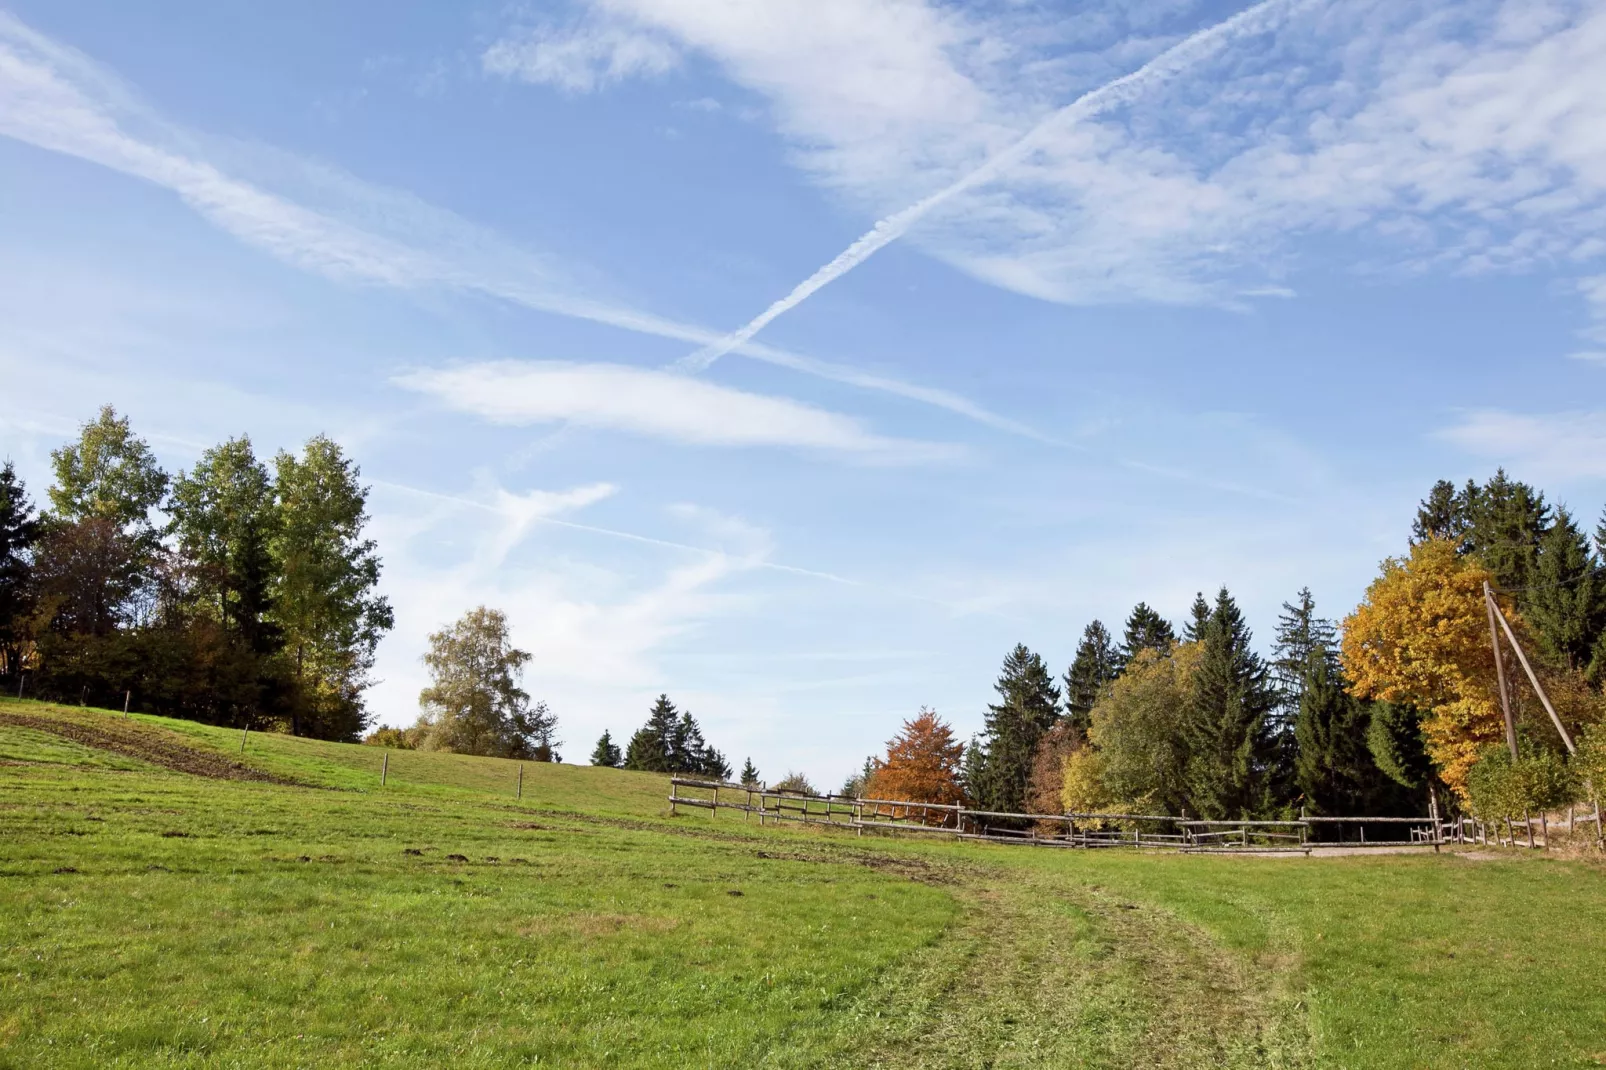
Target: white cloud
x,y
57,99
1467,137
1553,446
580,58
654,403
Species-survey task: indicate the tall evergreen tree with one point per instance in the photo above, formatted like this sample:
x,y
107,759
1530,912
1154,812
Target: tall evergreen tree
x,y
1097,662
651,749
1300,635
1567,605
1198,619
1028,705
225,518
606,753
749,773
1443,514
973,769
19,530
1229,743
1508,520
1334,769
1145,630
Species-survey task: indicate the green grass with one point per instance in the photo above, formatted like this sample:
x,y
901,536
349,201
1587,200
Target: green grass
x,y
156,919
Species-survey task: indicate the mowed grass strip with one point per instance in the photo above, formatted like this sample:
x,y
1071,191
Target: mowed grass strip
x,y
155,919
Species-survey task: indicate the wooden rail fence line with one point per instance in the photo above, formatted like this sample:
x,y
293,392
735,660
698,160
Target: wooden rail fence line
x,y
1083,830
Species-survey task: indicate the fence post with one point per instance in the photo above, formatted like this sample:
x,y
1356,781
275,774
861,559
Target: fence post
x,y
672,799
519,791
243,732
126,696
384,768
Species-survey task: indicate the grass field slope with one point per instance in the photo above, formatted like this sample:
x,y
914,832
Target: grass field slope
x,y
167,900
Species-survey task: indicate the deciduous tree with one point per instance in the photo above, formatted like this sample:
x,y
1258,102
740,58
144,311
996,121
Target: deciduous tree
x,y
474,704
922,763
19,531
1137,730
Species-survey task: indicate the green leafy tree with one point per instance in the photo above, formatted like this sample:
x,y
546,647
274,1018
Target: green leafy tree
x,y
474,704
1097,662
109,474
1028,705
1145,630
323,595
225,518
607,753
19,531
1226,728
1138,751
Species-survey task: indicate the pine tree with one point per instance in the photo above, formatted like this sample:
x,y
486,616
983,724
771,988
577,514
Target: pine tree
x,y
1507,522
1097,662
1198,619
1145,630
1567,607
19,530
1334,768
1442,514
1029,704
607,753
1300,633
973,769
749,773
651,748
1229,744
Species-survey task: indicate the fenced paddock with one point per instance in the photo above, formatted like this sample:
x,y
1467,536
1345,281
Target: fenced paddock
x,y
1081,830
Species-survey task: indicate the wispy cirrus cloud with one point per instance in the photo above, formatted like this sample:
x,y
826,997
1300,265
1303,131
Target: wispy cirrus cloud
x,y
324,221
1386,134
580,57
656,404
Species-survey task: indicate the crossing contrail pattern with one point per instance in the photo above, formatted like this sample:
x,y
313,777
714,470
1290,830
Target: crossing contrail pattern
x,y
1172,61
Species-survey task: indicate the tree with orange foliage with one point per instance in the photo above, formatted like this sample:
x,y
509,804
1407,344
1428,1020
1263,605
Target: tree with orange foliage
x,y
1421,639
922,764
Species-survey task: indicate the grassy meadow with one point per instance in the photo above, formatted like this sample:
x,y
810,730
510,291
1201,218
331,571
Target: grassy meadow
x,y
151,917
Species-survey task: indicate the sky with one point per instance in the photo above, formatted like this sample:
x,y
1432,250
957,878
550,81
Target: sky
x,y
798,359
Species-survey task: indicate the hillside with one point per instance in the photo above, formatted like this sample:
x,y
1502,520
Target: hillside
x,y
171,902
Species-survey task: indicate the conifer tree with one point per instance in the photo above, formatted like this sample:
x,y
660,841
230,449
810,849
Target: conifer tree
x,y
19,530
1198,618
651,748
1507,522
1097,662
1145,630
1443,514
1300,634
1226,728
607,752
1028,705
1567,606
1334,769
973,769
749,773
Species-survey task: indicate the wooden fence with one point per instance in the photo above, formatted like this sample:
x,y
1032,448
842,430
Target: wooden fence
x,y
1084,830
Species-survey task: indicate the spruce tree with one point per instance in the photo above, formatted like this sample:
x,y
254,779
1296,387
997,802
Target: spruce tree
x,y
1029,704
1334,769
973,769
1226,730
1300,634
1097,662
1567,606
650,749
19,530
607,752
1442,514
749,773
1198,619
1508,520
1145,630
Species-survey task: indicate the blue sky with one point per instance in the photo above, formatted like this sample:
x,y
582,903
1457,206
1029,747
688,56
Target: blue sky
x,y
1109,302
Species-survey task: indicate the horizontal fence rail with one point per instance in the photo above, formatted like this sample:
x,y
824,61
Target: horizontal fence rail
x,y
1080,830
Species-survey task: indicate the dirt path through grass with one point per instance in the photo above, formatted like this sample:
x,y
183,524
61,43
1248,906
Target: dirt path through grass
x,y
145,744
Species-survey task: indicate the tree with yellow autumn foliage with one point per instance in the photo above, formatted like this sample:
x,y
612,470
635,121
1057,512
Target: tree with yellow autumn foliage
x,y
1420,638
922,763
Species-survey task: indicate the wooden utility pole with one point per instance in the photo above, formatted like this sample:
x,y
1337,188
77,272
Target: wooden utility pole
x,y
1532,678
1500,666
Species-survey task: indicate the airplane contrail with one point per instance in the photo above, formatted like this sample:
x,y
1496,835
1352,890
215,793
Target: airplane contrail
x,y
888,230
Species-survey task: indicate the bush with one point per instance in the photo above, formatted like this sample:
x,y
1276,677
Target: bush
x,y
394,738
796,783
1536,781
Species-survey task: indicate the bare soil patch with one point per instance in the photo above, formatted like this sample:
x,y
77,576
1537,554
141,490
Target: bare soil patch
x,y
146,746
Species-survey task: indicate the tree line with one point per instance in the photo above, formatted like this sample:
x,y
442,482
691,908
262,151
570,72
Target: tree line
x,y
1393,710
236,592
